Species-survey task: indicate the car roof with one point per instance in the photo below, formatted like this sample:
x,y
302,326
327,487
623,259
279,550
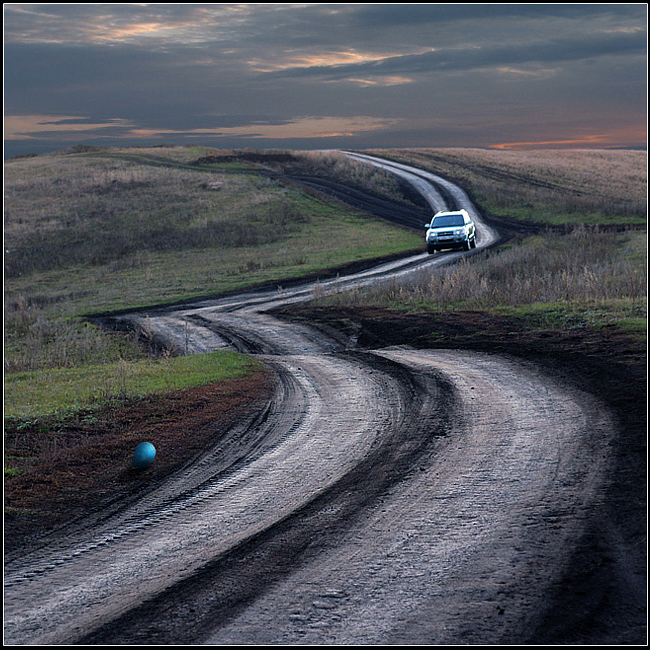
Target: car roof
x,y
450,212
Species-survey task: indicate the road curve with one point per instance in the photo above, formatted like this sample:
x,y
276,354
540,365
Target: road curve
x,y
440,193
382,497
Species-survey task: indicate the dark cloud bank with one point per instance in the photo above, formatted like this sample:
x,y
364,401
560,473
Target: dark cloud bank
x,y
361,76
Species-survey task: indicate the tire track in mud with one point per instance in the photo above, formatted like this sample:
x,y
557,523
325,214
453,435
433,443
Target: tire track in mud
x,y
349,511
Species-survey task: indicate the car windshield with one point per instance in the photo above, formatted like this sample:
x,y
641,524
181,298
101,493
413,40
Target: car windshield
x,y
448,220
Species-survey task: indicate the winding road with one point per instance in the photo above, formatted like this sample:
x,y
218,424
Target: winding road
x,y
391,496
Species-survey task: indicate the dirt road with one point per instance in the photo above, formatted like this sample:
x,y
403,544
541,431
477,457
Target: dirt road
x,y
384,496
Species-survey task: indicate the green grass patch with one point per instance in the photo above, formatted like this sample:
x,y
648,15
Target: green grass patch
x,y
96,230
624,314
63,391
634,324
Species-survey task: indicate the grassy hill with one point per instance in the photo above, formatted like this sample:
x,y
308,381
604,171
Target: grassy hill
x,y
91,230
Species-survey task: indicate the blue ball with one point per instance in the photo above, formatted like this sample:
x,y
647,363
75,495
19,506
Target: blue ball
x,y
144,454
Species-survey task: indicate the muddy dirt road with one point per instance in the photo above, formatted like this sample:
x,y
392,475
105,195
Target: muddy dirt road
x,y
384,496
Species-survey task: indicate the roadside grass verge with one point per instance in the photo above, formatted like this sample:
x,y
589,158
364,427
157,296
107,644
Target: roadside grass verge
x,y
41,336
339,167
41,404
584,279
64,392
329,237
57,469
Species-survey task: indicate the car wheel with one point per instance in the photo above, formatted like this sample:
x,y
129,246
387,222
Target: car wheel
x,y
430,250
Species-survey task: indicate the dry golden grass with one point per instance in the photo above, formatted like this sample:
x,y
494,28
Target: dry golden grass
x,y
56,192
585,278
546,186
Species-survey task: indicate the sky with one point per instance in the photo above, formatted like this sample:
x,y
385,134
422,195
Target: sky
x,y
324,76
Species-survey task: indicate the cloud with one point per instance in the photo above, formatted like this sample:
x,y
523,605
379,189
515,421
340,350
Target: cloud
x,y
469,57
113,23
311,127
604,139
19,127
47,126
424,13
325,74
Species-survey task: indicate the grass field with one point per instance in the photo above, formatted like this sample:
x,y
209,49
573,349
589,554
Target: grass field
x,y
594,274
581,279
121,229
92,230
104,230
62,392
554,187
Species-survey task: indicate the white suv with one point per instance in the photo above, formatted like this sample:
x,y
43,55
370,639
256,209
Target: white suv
x,y
451,230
